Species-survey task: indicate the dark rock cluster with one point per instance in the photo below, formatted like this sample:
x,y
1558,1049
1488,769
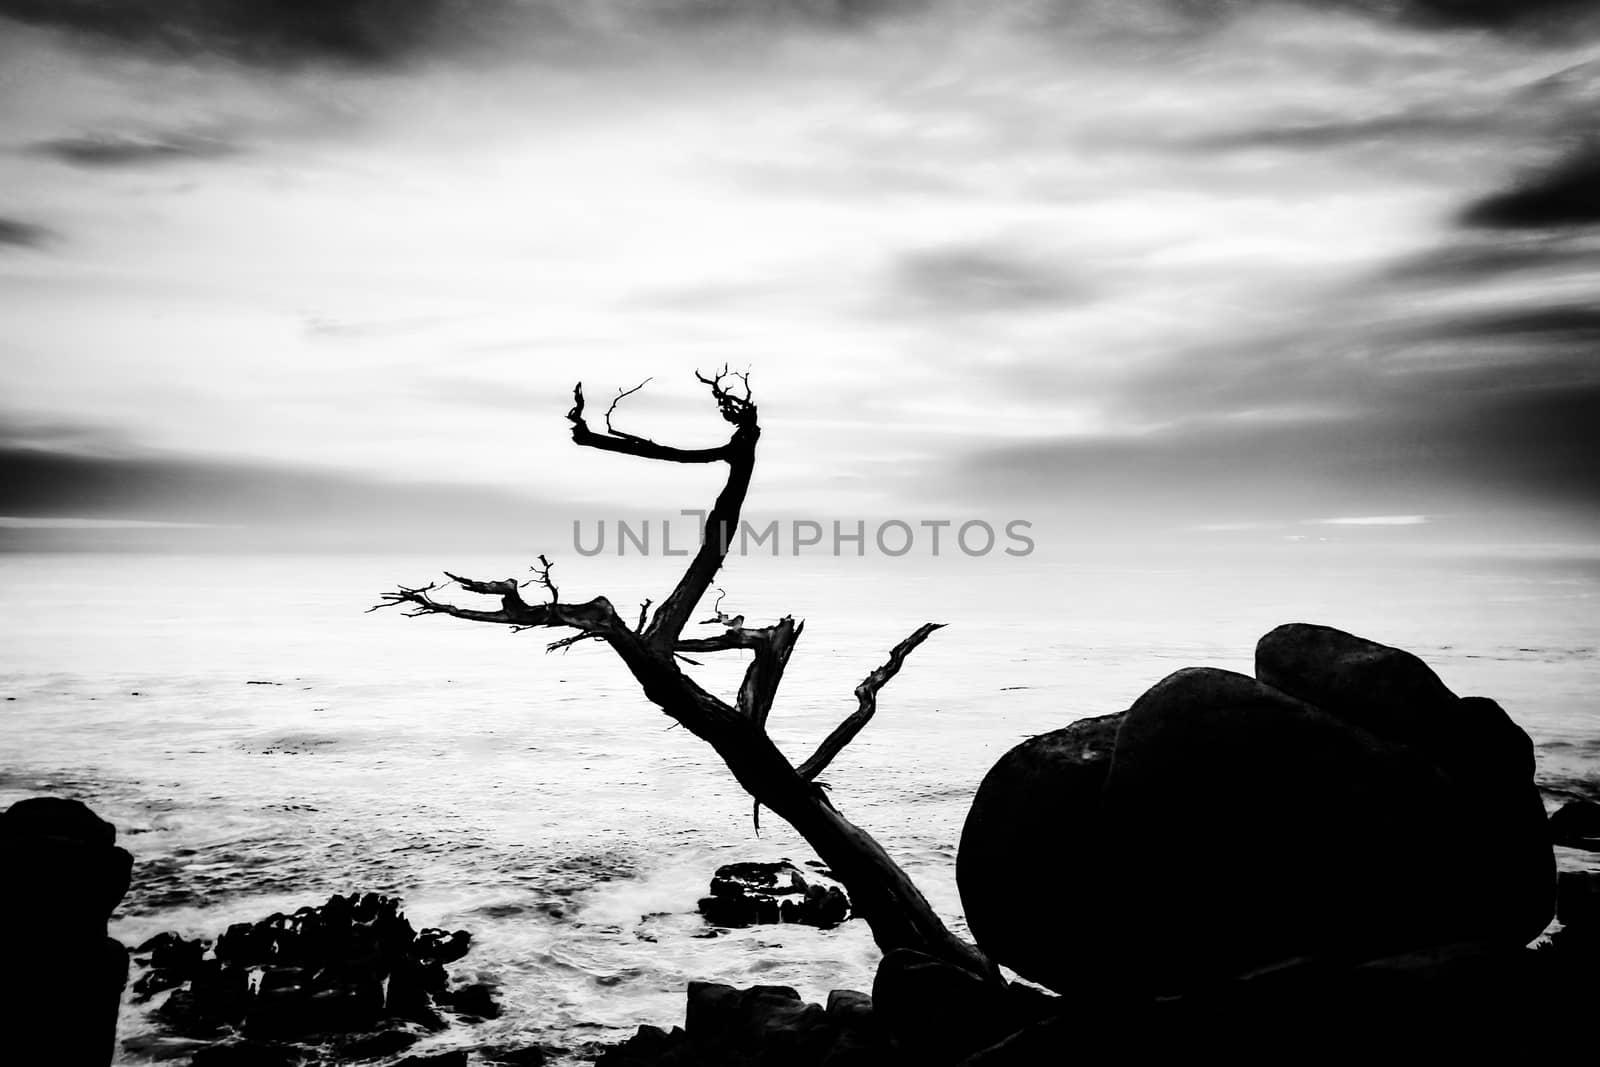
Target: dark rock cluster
x,y
349,979
1341,806
763,1026
745,894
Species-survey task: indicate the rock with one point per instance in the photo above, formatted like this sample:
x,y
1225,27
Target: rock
x,y
376,1045
442,947
651,1045
1578,901
768,1026
64,875
1031,813
155,982
1576,824
851,1009
248,1054
1508,876
476,999
939,1013
337,976
1343,806
529,1056
1454,1003
745,894
170,952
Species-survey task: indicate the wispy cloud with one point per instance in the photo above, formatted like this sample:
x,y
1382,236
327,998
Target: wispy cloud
x,y
127,150
976,278
19,234
1375,520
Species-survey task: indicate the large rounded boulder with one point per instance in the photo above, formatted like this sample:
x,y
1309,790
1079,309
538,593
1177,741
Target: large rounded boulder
x,y
1341,806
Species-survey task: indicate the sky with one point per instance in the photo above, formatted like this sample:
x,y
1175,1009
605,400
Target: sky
x,y
323,275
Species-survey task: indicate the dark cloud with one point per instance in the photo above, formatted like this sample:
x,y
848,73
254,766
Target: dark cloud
x,y
1380,131
1476,262
45,476
816,12
371,32
1498,13
266,31
979,278
1566,195
1495,456
15,233
1574,325
122,150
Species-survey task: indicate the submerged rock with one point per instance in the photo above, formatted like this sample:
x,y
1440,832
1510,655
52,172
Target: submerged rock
x,y
745,894
1343,805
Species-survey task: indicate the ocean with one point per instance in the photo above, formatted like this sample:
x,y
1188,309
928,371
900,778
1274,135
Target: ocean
x,y
261,742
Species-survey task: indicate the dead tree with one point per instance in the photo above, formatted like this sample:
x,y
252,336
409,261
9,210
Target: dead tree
x,y
896,911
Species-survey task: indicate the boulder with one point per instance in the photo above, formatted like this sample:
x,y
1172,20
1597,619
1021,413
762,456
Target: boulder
x,y
939,1013
745,894
64,875
1030,814
1576,824
1341,806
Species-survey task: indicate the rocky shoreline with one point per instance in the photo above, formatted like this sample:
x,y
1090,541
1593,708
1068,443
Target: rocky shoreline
x,y
1391,898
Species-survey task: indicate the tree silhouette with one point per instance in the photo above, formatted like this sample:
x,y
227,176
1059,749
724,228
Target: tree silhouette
x,y
653,649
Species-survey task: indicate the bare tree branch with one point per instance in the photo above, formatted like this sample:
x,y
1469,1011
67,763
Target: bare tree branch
x,y
761,678
631,444
621,395
541,574
597,615
867,699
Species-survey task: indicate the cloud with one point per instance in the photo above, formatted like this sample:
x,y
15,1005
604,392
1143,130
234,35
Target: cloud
x,y
1567,194
1375,520
16,233
1497,13
1575,324
1423,124
356,31
1477,261
980,278
389,32
48,491
1516,456
125,150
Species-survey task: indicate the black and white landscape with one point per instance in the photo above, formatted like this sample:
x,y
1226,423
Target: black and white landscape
x,y
1108,336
